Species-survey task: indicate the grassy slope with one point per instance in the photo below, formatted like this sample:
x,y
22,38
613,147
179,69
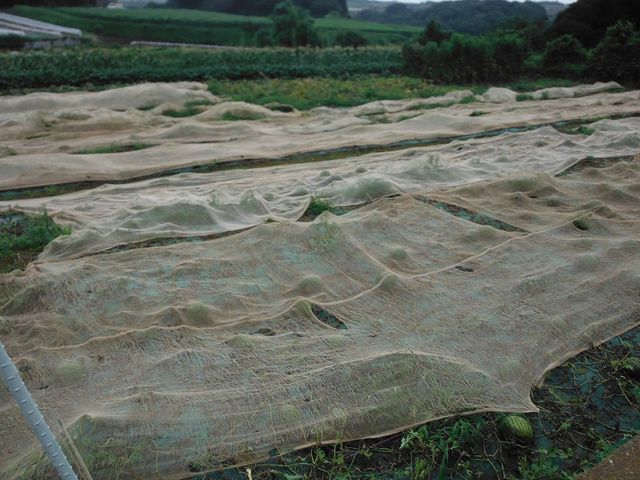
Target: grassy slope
x,y
203,26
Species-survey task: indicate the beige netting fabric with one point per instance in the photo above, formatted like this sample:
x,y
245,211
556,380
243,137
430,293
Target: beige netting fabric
x,y
453,297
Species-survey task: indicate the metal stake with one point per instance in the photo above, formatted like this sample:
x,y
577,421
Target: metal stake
x,y
9,373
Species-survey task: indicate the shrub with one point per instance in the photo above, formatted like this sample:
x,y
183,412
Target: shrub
x,y
22,238
468,59
433,33
563,56
617,56
292,26
350,38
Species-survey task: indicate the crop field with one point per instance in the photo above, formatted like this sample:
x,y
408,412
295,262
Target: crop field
x,y
201,27
101,66
437,287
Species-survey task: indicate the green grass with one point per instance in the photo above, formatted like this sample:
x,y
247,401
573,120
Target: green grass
x,y
22,238
194,26
586,130
6,151
307,93
318,206
524,97
114,148
234,117
533,84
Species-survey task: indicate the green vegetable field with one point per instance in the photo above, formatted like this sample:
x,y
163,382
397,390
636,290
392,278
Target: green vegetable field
x,y
194,26
121,65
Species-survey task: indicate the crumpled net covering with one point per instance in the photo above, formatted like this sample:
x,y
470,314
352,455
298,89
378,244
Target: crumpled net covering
x,y
452,292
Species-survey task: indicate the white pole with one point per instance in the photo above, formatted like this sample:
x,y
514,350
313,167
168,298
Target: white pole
x,y
21,395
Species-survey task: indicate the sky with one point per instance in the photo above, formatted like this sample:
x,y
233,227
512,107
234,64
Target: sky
x,y
421,1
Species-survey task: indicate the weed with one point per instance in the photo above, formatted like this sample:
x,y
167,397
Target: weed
x,y
582,223
524,97
307,93
585,130
22,238
6,151
318,206
477,113
113,148
248,115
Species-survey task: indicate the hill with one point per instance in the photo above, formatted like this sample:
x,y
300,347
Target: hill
x,y
196,26
465,16
317,8
553,8
587,20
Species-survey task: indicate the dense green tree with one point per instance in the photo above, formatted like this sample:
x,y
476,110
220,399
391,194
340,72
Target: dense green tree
x,y
468,59
433,33
48,3
588,20
263,38
292,26
564,56
465,16
617,56
349,38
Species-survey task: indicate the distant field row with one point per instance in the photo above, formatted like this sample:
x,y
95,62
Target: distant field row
x,y
102,66
195,26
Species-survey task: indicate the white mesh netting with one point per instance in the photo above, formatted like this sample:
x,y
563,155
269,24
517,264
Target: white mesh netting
x,y
490,267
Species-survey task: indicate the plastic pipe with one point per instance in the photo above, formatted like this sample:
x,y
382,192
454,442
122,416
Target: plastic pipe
x,y
21,395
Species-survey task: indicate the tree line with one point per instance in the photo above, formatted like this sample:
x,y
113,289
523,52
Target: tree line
x,y
609,49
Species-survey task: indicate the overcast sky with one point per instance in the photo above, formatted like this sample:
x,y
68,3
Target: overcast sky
x,y
421,1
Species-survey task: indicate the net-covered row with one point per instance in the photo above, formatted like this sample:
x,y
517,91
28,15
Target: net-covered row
x,y
171,360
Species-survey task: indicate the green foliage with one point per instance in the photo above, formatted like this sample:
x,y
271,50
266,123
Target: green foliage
x,y
22,238
129,65
588,20
292,26
262,7
263,38
307,93
433,33
437,444
350,38
563,56
538,469
467,59
465,16
317,206
524,97
233,117
201,27
617,56
585,130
